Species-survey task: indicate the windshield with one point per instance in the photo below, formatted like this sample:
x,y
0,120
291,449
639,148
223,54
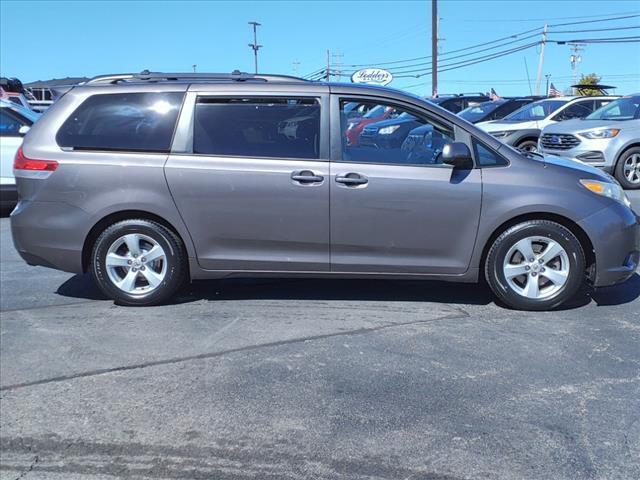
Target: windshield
x,y
625,108
536,110
25,112
478,112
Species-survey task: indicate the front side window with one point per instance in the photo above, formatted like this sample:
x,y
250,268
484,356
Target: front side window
x,y
485,157
123,122
403,138
257,127
9,125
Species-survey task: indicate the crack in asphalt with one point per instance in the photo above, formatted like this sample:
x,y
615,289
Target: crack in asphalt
x,y
170,361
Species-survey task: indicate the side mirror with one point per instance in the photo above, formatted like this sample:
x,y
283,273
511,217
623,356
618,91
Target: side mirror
x,y
458,155
23,130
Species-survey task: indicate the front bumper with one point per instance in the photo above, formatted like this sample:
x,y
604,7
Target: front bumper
x,y
596,152
615,235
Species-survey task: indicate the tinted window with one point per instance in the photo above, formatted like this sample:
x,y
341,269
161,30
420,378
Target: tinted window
x,y
123,122
9,125
536,110
402,139
485,157
253,127
577,110
480,112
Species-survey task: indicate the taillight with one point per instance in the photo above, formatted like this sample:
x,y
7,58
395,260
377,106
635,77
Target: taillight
x,y
20,162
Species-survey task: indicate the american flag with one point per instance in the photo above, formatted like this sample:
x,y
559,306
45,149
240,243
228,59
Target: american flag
x,y
494,96
553,91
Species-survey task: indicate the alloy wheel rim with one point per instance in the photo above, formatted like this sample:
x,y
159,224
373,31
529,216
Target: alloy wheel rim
x,y
536,268
530,148
136,264
632,168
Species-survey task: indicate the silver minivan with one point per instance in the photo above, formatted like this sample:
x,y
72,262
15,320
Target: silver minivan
x,y
150,180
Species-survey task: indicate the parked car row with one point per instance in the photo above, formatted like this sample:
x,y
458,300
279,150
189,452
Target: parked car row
x,y
608,138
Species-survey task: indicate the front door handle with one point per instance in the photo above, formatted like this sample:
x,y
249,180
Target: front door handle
x,y
352,179
306,176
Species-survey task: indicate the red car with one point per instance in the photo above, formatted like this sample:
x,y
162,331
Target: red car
x,y
376,114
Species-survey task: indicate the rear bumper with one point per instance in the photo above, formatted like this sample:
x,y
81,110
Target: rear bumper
x,y
50,234
615,234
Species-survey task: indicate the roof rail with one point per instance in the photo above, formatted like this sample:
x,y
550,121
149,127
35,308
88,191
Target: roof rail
x,y
147,76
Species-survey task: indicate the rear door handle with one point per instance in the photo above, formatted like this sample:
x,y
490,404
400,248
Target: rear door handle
x,y
306,176
352,179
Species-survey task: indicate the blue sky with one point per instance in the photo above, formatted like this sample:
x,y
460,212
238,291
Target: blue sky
x,y
47,39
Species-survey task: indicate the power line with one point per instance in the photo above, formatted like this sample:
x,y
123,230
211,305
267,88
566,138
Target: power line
x,y
470,53
471,47
543,19
595,21
596,29
633,39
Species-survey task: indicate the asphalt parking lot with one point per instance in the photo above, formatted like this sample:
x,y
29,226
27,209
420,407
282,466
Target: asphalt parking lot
x,y
309,379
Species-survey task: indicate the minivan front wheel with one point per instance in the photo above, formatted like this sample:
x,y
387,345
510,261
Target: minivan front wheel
x,y
535,265
138,262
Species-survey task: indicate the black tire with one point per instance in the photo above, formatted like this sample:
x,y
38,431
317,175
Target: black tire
x,y
529,145
619,170
494,271
176,262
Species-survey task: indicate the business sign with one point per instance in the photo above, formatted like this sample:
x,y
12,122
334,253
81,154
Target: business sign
x,y
372,76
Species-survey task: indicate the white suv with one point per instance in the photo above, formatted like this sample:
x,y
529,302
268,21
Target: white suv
x,y
15,121
521,129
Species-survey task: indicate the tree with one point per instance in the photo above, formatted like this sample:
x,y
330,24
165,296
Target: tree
x,y
590,79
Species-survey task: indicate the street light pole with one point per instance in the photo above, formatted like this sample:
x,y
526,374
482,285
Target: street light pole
x,y
434,48
255,45
546,92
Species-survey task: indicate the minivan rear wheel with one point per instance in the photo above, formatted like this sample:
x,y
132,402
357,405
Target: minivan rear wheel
x,y
535,265
138,262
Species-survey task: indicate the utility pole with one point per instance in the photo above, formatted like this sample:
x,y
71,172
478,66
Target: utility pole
x,y
434,48
546,91
194,67
328,72
575,60
255,45
541,59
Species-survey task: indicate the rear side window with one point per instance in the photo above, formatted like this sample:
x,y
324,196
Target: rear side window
x,y
123,122
257,127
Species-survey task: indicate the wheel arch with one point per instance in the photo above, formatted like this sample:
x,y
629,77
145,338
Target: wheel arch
x,y
115,217
573,227
623,150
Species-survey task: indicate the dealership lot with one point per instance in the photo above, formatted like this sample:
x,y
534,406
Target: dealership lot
x,y
305,379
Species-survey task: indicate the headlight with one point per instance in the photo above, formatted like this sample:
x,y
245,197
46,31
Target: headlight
x,y
352,125
606,189
600,133
502,134
388,130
